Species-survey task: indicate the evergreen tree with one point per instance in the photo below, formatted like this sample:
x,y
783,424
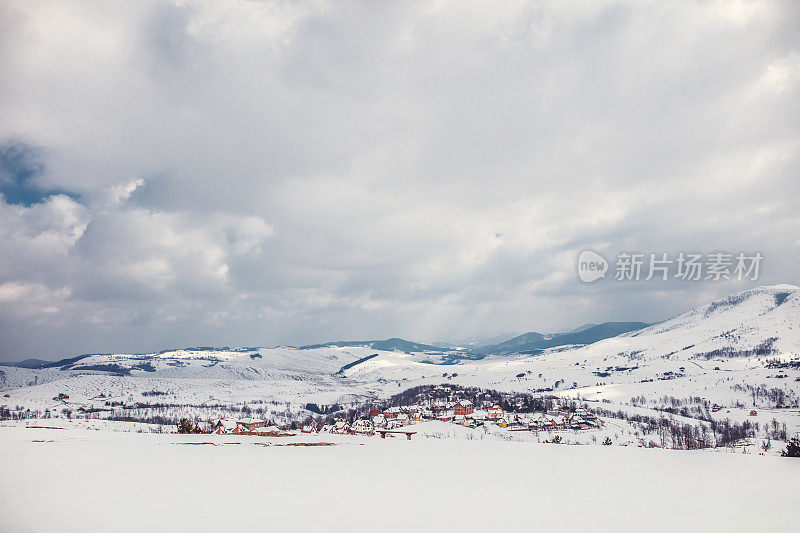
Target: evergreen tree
x,y
185,426
792,448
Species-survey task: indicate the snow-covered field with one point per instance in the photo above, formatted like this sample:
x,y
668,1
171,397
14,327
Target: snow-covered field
x,y
80,480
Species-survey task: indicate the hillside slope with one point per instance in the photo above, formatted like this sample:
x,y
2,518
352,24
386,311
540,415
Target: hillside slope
x,y
530,342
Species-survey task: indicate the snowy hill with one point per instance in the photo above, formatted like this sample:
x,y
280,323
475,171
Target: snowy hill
x,y
735,352
760,321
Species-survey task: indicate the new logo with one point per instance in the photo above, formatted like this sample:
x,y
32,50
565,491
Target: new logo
x,y
591,266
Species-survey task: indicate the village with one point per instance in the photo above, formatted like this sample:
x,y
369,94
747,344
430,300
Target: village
x,y
471,408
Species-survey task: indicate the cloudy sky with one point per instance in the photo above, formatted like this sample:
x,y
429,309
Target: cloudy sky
x,y
265,172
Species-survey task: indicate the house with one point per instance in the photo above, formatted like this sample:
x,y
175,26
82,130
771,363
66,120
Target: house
x,y
309,428
341,427
403,419
445,416
438,405
379,421
373,413
478,416
363,427
223,426
544,423
391,413
416,413
494,413
250,424
463,407
577,422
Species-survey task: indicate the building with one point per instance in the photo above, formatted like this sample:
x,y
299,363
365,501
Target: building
x,y
363,427
379,421
392,413
463,407
577,422
445,416
478,416
341,427
224,425
544,423
250,424
494,413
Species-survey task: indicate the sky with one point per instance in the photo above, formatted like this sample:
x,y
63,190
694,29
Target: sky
x,y
256,173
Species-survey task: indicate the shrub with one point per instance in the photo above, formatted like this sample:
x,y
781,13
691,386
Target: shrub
x,y
792,448
185,426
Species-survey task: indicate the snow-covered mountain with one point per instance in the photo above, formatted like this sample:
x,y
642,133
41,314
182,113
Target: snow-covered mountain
x,y
761,321
532,341
718,351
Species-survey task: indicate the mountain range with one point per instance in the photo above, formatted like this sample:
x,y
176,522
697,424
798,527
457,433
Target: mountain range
x,y
532,342
526,343
719,350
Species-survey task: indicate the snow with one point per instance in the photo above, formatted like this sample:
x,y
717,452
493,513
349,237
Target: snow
x,y
102,475
283,374
79,480
277,383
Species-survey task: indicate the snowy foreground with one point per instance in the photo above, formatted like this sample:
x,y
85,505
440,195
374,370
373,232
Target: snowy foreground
x,y
81,480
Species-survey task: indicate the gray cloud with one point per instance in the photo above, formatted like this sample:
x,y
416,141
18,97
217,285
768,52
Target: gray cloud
x,y
279,172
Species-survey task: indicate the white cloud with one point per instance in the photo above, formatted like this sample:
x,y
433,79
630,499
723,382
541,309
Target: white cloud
x,y
257,172
122,192
15,292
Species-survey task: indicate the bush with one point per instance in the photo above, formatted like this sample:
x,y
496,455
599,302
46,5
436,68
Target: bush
x,y
792,448
185,426
607,442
